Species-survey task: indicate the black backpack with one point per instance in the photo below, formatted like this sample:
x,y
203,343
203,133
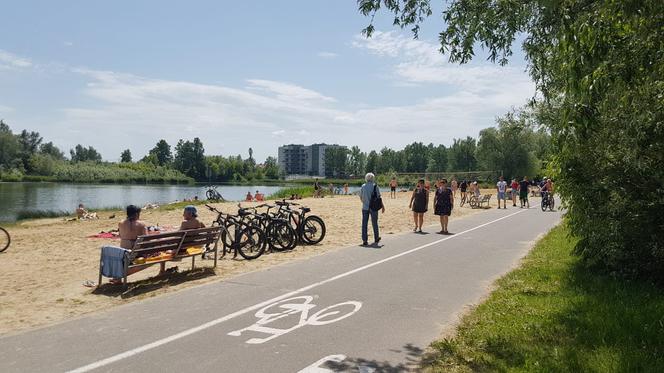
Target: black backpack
x,y
376,202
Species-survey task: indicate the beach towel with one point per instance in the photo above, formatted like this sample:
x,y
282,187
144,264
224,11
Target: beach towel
x,y
105,235
112,261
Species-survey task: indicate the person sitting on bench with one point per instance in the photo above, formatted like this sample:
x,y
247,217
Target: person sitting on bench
x,y
190,221
129,230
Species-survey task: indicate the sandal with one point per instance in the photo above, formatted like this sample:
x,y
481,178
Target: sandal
x,y
89,283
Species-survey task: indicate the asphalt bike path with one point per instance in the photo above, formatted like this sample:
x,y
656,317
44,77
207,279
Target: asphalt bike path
x,y
353,309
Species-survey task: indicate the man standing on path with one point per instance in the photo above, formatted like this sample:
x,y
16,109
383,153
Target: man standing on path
x,y
501,187
523,192
369,192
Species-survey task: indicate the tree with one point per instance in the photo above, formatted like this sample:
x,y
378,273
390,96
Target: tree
x,y
271,168
82,154
417,157
372,162
51,150
162,153
600,70
28,145
356,161
437,159
461,155
125,157
336,161
190,158
9,146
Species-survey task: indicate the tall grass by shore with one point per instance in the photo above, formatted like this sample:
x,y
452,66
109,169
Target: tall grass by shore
x,y
552,315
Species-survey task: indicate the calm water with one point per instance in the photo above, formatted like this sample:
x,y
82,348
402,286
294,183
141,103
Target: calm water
x,y
15,197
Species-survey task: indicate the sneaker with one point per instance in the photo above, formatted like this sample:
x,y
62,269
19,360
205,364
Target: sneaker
x,y
377,240
365,243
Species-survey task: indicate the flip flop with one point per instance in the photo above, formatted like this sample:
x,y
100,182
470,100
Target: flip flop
x,y
89,283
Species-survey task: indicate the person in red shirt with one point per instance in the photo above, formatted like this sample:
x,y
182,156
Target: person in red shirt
x,y
515,191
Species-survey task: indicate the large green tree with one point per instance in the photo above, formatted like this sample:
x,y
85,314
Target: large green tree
x,y
600,64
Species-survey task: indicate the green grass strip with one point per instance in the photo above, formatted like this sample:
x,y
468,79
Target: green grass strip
x,y
553,315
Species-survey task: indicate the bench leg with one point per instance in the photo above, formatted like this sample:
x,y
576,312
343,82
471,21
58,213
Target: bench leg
x,y
193,259
216,251
99,282
162,267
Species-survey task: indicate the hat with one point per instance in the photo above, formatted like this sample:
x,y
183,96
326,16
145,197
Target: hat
x,y
192,210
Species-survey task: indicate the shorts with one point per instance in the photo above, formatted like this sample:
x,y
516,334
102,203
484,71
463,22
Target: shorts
x,y
393,189
523,195
515,193
501,195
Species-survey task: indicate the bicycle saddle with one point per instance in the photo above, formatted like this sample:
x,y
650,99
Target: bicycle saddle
x,y
305,209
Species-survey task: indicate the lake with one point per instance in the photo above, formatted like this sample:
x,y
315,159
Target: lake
x,y
16,197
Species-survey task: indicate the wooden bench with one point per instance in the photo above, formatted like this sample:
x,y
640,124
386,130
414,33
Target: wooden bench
x,y
177,242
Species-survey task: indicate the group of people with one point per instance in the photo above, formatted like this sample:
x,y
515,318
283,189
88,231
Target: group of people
x,y
331,188
256,197
130,228
443,200
443,203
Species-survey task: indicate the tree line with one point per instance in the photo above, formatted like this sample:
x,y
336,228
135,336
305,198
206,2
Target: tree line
x,y
25,156
517,146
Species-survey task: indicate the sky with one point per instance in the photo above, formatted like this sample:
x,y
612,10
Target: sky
x,y
236,74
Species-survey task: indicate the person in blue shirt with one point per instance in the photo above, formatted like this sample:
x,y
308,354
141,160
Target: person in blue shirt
x,y
366,192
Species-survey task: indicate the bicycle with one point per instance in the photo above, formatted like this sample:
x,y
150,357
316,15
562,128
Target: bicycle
x,y
280,235
5,239
238,235
463,199
212,194
310,229
547,201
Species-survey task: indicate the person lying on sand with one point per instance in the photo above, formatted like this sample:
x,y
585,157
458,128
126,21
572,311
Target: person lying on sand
x,y
190,221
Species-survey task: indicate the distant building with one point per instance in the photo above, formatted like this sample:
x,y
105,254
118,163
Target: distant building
x,y
295,159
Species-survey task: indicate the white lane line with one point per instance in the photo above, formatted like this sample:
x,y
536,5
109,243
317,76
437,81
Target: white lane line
x,y
209,324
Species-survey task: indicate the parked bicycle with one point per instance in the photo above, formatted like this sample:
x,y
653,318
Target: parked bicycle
x,y
547,201
280,235
239,235
310,229
212,194
5,239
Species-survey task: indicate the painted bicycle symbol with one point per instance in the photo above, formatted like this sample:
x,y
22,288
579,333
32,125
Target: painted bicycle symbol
x,y
299,305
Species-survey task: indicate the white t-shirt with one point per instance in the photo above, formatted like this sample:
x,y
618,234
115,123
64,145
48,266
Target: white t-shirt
x,y
502,185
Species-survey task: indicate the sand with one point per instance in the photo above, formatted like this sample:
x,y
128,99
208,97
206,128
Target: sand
x,y
43,271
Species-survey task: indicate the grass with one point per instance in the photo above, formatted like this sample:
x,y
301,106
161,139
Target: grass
x,y
302,191
41,214
552,315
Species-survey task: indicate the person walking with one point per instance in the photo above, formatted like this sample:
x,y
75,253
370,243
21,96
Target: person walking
x,y
455,185
443,203
462,190
316,188
523,192
368,193
514,192
501,188
419,203
393,187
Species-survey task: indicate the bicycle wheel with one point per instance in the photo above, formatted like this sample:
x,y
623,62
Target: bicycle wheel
x,y
5,239
552,203
251,242
543,204
463,200
313,230
280,236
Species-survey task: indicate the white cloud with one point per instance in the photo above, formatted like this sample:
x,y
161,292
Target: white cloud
x,y
68,43
12,61
419,62
327,54
4,109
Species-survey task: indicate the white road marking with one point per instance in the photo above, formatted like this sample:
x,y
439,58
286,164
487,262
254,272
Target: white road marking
x,y
298,305
316,367
209,324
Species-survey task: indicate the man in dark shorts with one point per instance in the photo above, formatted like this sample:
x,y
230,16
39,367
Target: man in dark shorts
x,y
463,187
523,192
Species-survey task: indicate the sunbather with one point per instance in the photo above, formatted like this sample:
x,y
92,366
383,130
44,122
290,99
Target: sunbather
x,y
82,213
190,221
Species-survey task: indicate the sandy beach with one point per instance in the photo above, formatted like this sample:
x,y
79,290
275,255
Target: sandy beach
x,y
43,271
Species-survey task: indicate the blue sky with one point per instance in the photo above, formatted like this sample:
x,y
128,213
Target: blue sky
x,y
125,74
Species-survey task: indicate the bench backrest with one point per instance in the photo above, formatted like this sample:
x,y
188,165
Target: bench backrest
x,y
175,241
